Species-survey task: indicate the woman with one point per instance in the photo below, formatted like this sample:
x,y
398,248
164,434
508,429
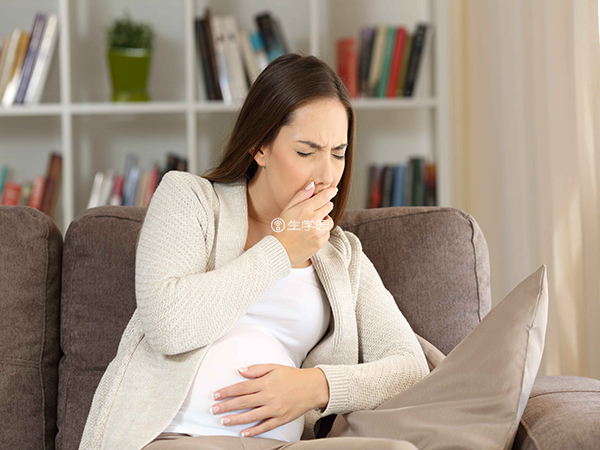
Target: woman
x,y
244,266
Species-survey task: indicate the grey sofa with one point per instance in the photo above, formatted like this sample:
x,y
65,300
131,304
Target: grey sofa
x,y
65,303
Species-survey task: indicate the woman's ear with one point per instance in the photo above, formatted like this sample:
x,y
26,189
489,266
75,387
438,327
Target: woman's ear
x,y
261,157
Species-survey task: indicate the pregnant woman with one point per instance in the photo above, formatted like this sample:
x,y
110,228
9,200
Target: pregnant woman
x,y
257,315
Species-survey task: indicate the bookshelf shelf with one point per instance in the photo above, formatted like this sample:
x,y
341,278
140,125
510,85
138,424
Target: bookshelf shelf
x,y
96,135
54,109
131,108
83,109
395,103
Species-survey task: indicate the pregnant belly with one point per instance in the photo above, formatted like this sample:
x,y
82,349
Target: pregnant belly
x,y
243,345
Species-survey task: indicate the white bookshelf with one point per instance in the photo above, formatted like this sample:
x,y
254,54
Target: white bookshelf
x,y
93,134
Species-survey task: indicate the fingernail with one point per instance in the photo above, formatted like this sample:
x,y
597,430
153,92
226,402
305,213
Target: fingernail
x,y
311,184
243,369
215,409
216,395
245,433
225,420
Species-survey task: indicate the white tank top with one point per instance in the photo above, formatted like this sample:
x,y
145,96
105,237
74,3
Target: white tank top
x,y
281,327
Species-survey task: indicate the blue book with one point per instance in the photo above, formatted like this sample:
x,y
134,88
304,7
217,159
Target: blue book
x,y
399,192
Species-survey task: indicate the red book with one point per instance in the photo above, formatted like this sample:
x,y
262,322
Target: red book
x,y
116,197
37,192
347,64
396,62
375,186
11,195
53,181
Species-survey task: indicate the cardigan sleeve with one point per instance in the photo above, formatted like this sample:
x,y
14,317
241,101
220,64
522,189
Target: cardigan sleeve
x,y
390,357
181,305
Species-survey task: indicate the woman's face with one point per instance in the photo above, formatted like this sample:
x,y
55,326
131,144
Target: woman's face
x,y
322,123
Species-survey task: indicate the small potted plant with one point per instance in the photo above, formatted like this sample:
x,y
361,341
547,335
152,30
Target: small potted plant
x,y
129,54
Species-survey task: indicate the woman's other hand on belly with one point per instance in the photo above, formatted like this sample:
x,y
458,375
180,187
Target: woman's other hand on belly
x,y
277,394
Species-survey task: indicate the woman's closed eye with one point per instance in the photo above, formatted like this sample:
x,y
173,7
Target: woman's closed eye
x,y
304,155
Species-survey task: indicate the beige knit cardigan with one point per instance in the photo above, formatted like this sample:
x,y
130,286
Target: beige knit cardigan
x,y
194,282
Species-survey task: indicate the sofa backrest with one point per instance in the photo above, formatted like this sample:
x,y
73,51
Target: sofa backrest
x,y
434,261
98,299
30,284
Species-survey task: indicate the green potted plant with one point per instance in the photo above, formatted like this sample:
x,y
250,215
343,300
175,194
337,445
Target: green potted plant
x,y
129,54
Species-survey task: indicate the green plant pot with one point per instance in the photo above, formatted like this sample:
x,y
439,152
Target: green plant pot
x,y
129,69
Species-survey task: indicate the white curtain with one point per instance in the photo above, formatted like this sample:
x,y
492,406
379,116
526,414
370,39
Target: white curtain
x,y
525,95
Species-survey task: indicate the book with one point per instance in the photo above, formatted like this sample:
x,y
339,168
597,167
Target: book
x,y
404,64
116,197
8,60
347,65
366,47
52,185
34,44
375,186
399,189
382,83
218,38
270,34
235,64
424,67
204,59
11,194
387,179
5,44
37,192
415,59
397,55
417,183
43,61
209,36
14,77
376,59
142,189
431,190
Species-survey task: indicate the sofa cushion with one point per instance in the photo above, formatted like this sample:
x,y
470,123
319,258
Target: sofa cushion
x,y
562,412
98,299
475,397
434,261
30,279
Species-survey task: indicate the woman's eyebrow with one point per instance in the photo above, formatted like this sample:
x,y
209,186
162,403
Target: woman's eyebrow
x,y
314,145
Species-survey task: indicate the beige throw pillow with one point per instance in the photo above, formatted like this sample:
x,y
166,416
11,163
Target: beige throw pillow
x,y
475,396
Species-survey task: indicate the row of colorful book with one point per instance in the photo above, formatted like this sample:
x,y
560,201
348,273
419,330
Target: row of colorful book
x,y
409,184
231,58
40,193
388,63
25,59
134,187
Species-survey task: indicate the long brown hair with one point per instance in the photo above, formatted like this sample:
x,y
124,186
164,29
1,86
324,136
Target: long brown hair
x,y
287,83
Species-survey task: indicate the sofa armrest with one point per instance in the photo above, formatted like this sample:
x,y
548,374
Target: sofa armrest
x,y
562,412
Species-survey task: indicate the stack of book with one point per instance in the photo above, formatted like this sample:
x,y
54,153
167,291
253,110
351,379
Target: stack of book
x,y
388,63
134,187
25,59
230,58
410,184
40,193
